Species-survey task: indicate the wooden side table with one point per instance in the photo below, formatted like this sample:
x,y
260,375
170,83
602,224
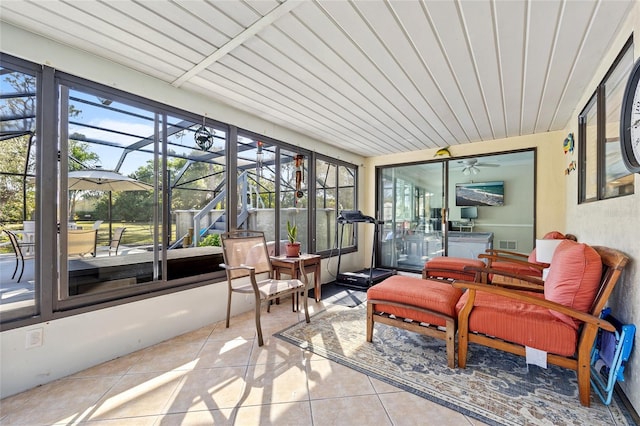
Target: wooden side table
x,y
289,266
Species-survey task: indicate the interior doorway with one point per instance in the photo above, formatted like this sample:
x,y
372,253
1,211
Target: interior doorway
x,y
456,207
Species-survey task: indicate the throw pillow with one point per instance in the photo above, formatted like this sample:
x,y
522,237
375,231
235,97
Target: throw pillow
x,y
574,277
553,235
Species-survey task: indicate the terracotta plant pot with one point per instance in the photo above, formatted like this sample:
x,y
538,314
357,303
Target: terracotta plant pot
x,y
293,249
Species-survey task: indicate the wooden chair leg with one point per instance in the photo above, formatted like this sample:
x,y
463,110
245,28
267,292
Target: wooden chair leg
x,y
584,364
451,343
369,322
463,343
584,384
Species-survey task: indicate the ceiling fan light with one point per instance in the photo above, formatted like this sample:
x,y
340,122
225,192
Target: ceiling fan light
x,y
466,171
475,170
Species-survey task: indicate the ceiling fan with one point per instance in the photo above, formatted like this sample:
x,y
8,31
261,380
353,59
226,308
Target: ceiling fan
x,y
471,166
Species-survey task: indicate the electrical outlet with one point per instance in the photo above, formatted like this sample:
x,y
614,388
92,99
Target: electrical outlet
x,y
33,338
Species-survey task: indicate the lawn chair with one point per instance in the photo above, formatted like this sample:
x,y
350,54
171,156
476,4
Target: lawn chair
x,y
245,257
81,242
23,251
114,244
609,355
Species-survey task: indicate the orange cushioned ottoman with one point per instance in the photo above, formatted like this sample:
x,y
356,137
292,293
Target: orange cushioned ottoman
x,y
451,268
430,305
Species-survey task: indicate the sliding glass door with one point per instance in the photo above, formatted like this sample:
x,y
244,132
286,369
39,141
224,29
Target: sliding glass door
x,y
456,207
412,199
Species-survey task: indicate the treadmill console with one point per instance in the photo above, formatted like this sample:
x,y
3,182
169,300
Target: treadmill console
x,y
351,216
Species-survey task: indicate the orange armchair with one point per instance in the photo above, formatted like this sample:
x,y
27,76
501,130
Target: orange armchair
x,y
560,317
519,263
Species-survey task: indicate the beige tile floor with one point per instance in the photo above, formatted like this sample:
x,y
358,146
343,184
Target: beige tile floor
x,y
216,375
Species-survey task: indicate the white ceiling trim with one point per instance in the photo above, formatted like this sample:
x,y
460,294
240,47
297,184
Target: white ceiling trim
x,y
374,77
262,23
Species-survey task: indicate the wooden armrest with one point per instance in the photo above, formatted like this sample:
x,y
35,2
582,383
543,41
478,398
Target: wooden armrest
x,y
498,252
527,282
523,297
525,263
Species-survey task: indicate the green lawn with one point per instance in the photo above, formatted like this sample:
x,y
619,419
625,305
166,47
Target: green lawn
x,y
136,234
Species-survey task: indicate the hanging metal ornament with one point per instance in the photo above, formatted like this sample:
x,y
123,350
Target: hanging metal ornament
x,y
299,162
203,137
259,158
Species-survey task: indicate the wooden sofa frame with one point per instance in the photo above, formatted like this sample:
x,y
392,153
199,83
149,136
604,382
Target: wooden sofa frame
x,y
613,262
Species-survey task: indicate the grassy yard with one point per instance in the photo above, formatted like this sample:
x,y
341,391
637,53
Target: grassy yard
x,y
136,234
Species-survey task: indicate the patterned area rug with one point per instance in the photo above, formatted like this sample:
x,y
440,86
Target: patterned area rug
x,y
496,387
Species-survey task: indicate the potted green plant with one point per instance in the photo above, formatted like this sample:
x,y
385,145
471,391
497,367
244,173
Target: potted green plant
x,y
293,246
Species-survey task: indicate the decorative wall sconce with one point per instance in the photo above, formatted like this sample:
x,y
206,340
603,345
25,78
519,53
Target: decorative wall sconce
x,y
203,137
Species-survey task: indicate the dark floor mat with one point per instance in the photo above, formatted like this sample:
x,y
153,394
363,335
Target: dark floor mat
x,y
335,294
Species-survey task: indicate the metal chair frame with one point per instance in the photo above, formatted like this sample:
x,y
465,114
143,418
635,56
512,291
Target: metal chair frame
x,y
246,258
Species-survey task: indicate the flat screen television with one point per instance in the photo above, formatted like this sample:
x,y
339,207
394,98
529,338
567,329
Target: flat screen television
x,y
480,194
468,213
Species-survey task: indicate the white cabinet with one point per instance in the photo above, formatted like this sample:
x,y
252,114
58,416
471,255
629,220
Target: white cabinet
x,y
469,244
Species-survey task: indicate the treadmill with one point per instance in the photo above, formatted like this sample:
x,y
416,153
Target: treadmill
x,y
364,278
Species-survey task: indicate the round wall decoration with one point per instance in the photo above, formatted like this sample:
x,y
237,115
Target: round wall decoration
x,y
630,122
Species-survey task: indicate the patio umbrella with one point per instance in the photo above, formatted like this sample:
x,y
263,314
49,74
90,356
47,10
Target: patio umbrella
x,y
104,180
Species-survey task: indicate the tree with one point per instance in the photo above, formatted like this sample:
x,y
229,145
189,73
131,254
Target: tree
x,y
17,154
80,157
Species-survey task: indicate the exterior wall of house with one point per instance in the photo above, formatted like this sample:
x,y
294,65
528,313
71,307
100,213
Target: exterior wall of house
x,y
614,222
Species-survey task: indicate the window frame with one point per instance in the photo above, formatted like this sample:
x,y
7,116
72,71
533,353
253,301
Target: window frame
x,y
336,164
47,294
598,100
40,299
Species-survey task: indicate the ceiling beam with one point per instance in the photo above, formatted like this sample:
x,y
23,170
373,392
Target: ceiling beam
x,y
268,19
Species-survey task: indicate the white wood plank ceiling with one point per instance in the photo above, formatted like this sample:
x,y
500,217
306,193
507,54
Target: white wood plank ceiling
x,y
373,77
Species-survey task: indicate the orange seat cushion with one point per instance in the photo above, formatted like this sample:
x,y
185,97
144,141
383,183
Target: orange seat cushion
x,y
454,266
521,323
434,295
574,277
